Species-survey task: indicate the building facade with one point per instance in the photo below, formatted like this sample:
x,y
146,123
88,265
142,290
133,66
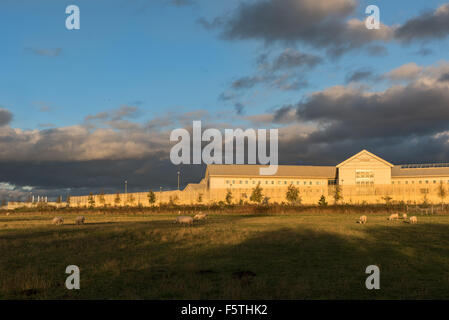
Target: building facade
x,y
362,178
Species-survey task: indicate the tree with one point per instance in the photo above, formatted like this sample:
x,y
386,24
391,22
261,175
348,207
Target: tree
x,y
131,199
91,200
68,201
442,193
337,194
229,197
292,194
200,198
59,200
117,199
387,199
322,202
151,197
102,199
256,195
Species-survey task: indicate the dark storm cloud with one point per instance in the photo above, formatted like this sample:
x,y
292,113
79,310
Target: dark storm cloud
x,y
318,23
429,25
397,112
5,117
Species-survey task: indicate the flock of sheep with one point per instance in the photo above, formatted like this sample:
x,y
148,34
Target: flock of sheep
x,y
60,220
394,216
186,220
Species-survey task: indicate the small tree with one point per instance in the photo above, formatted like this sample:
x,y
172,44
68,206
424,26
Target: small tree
x,y
131,199
292,194
200,198
102,199
68,201
442,193
256,195
229,197
387,199
91,200
322,202
151,197
337,194
59,200
117,199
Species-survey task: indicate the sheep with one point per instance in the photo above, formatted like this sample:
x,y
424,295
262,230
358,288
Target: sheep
x,y
58,220
7,213
184,220
404,216
393,216
413,219
79,220
200,216
362,220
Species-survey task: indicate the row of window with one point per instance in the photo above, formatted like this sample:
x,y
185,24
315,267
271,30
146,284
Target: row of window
x,y
272,182
420,182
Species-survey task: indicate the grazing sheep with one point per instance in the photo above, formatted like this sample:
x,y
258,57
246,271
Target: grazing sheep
x,y
79,220
393,216
404,216
362,220
413,219
200,216
58,220
7,213
179,212
184,220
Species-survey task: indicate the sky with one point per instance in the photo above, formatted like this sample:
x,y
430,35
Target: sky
x,y
84,110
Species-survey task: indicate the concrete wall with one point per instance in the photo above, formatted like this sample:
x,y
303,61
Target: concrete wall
x,y
310,195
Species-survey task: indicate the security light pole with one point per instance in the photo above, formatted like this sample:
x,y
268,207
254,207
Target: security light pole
x,y
126,186
178,179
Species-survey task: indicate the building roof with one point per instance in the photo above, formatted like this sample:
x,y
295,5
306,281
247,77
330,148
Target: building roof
x,y
328,172
399,171
366,152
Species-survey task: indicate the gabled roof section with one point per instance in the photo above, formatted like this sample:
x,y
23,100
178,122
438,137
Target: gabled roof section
x,y
366,152
283,171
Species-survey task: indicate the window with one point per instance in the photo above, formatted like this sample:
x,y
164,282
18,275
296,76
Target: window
x,y
246,181
227,181
272,182
365,177
285,182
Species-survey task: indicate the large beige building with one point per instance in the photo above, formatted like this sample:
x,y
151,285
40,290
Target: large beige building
x,y
363,178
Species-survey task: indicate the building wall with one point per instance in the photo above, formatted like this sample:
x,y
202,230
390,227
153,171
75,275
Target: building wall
x,y
347,171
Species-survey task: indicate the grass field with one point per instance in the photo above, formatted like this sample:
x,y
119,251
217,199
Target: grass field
x,y
303,256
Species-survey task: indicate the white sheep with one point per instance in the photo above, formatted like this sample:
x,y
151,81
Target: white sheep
x,y
184,220
79,220
413,219
393,216
200,216
404,216
362,220
58,220
7,213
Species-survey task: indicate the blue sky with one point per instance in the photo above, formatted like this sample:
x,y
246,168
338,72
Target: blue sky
x,y
152,54
103,99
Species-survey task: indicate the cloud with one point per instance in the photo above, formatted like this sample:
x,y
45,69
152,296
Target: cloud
x,y
45,52
359,75
428,25
5,117
317,23
291,58
405,72
181,3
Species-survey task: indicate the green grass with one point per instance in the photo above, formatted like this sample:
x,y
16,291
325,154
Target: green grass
x,y
309,255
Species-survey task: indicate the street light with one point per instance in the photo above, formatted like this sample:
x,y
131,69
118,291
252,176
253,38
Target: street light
x,y
126,186
178,179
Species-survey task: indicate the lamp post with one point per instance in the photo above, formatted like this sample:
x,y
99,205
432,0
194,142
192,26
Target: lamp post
x,y
126,186
178,179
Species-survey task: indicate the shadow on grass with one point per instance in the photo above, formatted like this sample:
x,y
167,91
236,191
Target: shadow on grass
x,y
159,260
